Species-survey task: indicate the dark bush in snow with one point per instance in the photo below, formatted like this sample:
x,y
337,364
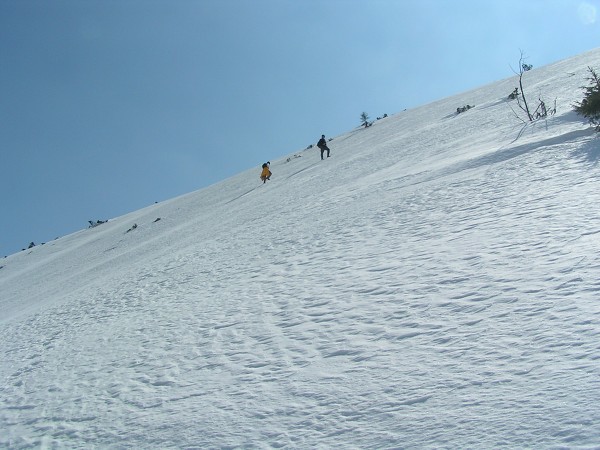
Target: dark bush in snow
x,y
96,223
589,107
364,119
462,109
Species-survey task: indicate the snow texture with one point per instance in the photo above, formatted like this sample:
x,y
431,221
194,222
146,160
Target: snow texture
x,y
435,283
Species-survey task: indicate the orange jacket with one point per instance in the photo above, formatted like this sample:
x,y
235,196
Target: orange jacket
x,y
266,173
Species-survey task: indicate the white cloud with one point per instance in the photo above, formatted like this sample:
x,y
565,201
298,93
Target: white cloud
x,y
587,13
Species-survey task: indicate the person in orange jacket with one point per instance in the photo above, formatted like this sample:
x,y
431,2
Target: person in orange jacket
x,y
266,172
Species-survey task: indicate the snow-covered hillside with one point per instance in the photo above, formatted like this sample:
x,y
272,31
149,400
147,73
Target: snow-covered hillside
x,y
435,283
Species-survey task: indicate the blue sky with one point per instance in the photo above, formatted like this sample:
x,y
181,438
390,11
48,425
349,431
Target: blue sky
x,y
108,106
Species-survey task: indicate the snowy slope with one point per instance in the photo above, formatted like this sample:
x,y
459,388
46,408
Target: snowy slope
x,y
432,284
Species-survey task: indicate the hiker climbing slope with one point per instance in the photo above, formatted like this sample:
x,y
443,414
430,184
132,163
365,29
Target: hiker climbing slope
x,y
266,172
322,144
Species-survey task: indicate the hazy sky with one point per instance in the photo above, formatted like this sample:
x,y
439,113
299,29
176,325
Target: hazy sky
x,y
107,106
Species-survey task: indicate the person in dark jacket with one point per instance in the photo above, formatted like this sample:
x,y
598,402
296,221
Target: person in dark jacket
x,y
322,144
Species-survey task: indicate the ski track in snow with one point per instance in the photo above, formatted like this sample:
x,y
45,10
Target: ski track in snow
x,y
414,292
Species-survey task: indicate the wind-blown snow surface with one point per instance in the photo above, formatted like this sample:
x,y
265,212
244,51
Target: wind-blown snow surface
x,y
435,283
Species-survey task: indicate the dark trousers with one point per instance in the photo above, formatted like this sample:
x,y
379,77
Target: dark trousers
x,y
323,149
